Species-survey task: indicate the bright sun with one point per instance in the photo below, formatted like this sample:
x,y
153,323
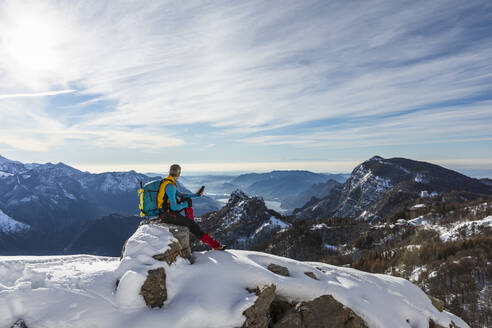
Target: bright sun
x,y
32,43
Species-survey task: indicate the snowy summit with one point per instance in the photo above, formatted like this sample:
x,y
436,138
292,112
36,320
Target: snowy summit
x,y
215,289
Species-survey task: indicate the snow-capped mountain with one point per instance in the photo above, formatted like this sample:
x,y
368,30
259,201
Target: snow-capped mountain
x,y
52,196
243,222
378,185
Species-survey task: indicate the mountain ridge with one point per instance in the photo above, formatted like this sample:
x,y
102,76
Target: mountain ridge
x,y
377,178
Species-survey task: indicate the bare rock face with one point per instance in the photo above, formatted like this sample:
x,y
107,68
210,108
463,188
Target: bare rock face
x,y
19,324
322,312
257,316
278,269
154,289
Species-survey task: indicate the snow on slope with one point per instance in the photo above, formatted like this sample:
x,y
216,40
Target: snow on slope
x,y
455,230
270,224
79,291
9,225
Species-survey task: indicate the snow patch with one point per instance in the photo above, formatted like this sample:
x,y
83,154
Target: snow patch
x,y
468,228
272,224
319,226
414,277
331,247
420,178
454,231
9,225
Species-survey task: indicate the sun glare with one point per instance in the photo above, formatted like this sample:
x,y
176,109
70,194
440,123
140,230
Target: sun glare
x,y
32,43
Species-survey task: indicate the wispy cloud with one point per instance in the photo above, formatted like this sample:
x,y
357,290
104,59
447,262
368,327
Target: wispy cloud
x,y
37,94
252,70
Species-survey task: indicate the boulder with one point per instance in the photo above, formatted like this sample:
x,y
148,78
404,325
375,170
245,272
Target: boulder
x,y
257,316
311,275
154,289
322,312
278,269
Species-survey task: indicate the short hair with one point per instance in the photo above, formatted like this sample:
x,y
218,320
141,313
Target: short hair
x,y
175,170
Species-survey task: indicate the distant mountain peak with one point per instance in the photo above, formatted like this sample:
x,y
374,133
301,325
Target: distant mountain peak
x,y
238,195
376,158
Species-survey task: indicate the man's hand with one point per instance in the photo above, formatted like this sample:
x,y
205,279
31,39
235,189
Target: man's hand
x,y
188,202
200,191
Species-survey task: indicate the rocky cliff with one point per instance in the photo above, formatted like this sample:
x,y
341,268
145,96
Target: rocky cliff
x,y
243,222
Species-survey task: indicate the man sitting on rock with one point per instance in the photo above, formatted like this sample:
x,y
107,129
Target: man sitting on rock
x,y
170,205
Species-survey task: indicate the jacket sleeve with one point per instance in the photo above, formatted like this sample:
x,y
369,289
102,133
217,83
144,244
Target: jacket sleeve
x,y
171,195
183,195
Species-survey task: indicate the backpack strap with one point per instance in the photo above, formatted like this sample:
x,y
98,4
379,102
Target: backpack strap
x,y
164,204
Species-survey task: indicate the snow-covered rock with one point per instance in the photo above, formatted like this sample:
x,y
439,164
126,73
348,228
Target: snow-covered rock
x,y
215,291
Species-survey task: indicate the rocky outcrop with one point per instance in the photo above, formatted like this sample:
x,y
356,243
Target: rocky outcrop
x,y
270,310
278,269
180,248
175,243
154,289
257,316
243,222
321,312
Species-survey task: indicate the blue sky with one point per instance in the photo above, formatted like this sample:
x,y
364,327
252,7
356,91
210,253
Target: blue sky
x,y
245,85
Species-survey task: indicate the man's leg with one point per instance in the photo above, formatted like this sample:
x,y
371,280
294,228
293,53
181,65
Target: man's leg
x,y
178,219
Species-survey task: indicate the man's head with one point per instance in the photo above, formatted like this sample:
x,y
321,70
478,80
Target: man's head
x,y
175,170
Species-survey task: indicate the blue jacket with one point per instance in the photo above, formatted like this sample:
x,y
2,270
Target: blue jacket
x,y
172,195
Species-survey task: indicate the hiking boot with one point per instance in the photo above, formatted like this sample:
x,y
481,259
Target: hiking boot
x,y
220,248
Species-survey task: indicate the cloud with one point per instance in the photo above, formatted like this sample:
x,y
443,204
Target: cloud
x,y
37,94
439,125
252,69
